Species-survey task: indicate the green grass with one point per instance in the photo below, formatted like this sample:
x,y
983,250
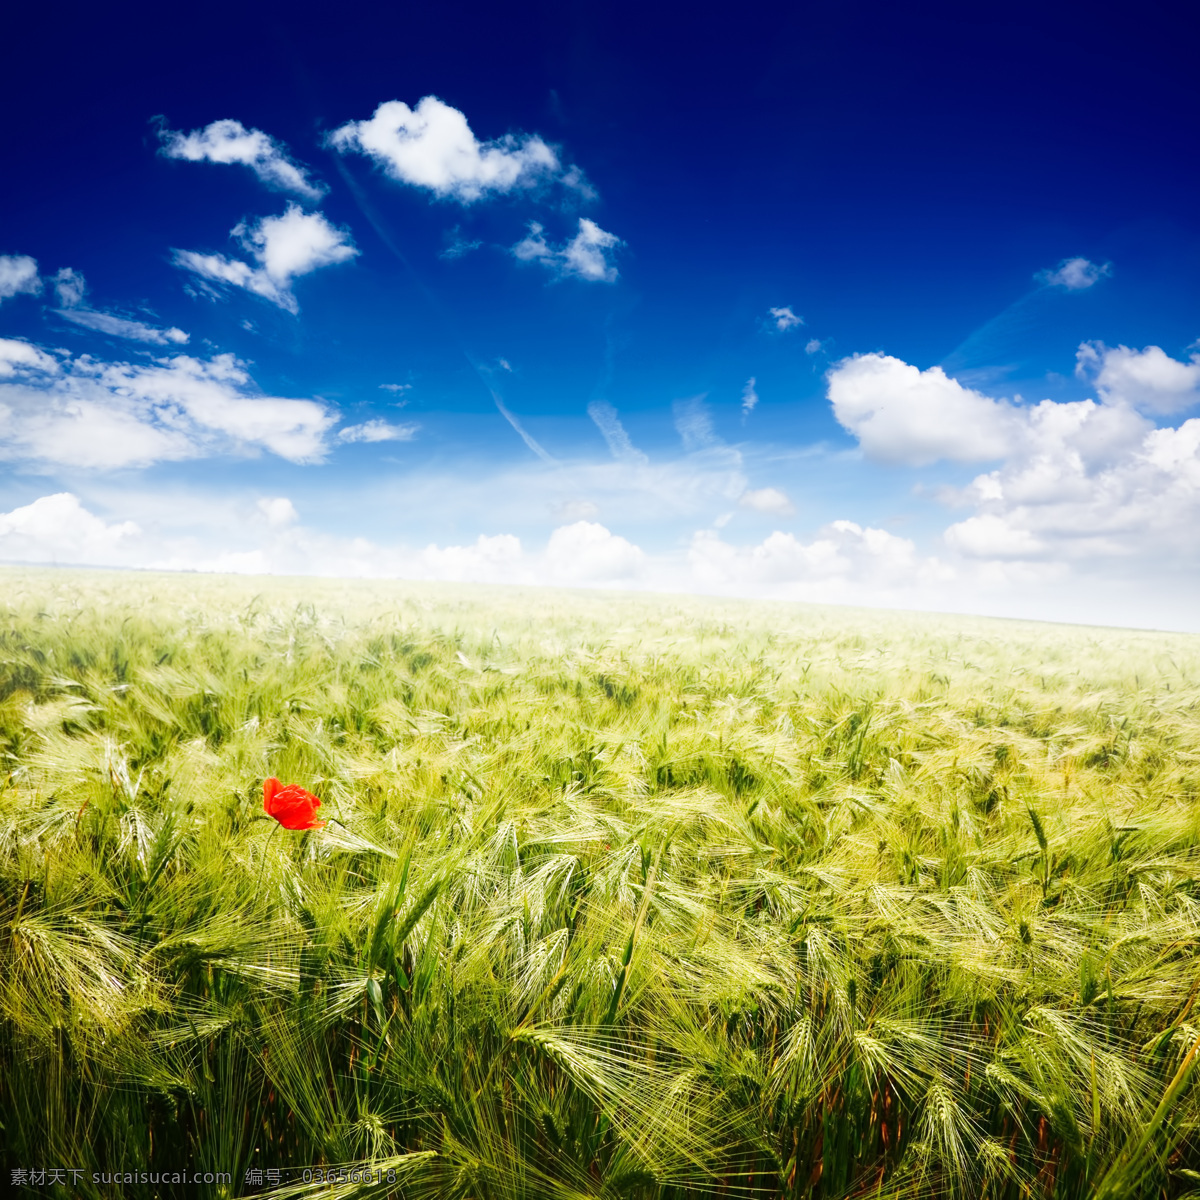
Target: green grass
x,y
620,897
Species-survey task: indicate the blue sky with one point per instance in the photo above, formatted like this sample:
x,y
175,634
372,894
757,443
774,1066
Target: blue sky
x,y
834,303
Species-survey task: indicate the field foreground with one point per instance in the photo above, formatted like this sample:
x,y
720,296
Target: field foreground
x,y
618,897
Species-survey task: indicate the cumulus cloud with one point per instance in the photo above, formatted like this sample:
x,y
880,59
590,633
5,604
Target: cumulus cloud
x,y
58,528
20,358
18,274
279,511
1148,379
767,500
784,319
1088,482
229,141
585,256
85,413
843,557
813,346
749,397
377,431
432,147
285,247
1080,482
587,552
609,424
1074,274
70,287
900,414
489,559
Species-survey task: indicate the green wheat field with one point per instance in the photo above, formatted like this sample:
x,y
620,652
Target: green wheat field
x,y
619,896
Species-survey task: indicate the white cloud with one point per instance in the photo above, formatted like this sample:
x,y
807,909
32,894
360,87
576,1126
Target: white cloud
x,y
1074,274
749,397
1078,483
990,536
813,346
457,245
767,500
432,146
1088,482
279,511
71,288
286,247
17,358
85,413
576,510
58,528
903,415
585,256
491,559
785,319
844,560
609,424
396,388
230,141
587,552
377,431
694,424
123,327
18,274
1148,379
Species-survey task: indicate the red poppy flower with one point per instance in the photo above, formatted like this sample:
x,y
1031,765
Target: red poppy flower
x,y
291,806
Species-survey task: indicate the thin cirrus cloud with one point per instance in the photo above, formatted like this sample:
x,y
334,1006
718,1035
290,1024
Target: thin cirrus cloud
x,y
433,147
1074,274
18,275
749,397
586,256
229,141
619,444
71,288
82,413
285,247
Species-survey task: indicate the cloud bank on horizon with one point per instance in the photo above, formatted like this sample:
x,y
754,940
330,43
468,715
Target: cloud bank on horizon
x,y
237,409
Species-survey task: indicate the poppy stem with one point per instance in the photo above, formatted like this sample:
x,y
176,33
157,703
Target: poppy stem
x,y
262,869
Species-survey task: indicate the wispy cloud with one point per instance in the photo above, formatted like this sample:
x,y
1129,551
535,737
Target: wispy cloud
x,y
71,289
522,432
693,423
784,319
585,256
285,247
1074,274
457,245
377,431
609,424
229,141
749,397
